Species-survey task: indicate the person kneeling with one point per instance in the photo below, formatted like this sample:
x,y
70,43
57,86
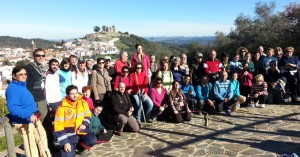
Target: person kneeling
x,y
71,123
178,104
224,94
96,127
123,109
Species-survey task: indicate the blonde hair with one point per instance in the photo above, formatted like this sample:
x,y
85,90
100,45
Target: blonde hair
x,y
290,49
259,77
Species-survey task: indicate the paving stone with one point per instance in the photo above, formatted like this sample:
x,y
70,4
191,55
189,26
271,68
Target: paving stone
x,y
252,152
235,147
142,151
215,150
199,153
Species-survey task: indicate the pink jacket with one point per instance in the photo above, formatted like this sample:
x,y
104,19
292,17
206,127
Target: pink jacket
x,y
146,62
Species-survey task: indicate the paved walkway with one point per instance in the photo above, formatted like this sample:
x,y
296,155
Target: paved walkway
x,y
260,132
255,132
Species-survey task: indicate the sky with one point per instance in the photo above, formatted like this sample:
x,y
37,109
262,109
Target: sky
x,y
66,19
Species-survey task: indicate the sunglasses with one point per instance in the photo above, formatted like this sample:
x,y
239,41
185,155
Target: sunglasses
x,y
22,74
100,62
139,68
39,55
272,65
159,82
126,71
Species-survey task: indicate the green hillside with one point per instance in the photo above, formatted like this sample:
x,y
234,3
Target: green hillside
x,y
16,42
128,44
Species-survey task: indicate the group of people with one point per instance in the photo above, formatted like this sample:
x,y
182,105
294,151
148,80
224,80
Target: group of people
x,y
86,101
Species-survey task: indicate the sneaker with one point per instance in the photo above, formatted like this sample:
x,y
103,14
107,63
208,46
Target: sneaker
x,y
257,104
262,105
238,105
206,120
228,112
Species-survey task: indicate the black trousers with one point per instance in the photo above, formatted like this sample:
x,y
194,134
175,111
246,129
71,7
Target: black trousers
x,y
291,85
262,99
224,106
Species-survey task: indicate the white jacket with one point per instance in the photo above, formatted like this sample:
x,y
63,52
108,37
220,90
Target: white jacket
x,y
52,88
80,79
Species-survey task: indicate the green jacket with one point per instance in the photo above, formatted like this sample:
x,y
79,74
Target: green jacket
x,y
95,125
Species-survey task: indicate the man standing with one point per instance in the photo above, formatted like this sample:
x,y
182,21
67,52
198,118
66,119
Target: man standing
x,y
73,62
197,69
80,76
52,86
121,63
111,70
36,72
72,120
213,67
140,56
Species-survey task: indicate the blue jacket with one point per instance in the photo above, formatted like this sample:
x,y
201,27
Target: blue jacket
x,y
223,90
235,86
65,79
185,88
204,92
20,103
235,66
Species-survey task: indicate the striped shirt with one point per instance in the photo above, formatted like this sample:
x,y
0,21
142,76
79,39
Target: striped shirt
x,y
260,89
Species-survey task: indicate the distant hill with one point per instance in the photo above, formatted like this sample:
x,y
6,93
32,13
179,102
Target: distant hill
x,y
16,42
179,40
149,47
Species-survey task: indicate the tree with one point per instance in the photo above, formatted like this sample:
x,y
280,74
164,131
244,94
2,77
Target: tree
x,y
6,62
96,29
22,62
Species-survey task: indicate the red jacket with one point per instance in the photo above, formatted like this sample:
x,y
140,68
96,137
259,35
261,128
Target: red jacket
x,y
146,62
139,82
119,65
212,66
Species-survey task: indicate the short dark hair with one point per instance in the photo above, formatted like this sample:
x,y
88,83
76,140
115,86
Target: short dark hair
x,y
53,60
71,87
139,63
125,67
17,69
64,61
38,50
137,45
72,56
99,59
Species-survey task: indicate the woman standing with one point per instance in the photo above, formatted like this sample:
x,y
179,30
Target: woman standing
x,y
24,114
178,104
166,75
65,76
178,73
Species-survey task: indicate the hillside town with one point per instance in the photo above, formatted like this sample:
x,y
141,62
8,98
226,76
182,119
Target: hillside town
x,y
99,43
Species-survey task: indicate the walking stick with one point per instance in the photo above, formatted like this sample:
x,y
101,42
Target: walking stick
x,y
36,127
141,103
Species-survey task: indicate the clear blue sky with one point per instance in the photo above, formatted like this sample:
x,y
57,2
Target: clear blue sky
x,y
64,19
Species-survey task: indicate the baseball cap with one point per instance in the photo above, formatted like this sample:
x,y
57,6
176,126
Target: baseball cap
x,y
199,55
107,58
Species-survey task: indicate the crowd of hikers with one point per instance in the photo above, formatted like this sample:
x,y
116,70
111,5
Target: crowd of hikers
x,y
82,104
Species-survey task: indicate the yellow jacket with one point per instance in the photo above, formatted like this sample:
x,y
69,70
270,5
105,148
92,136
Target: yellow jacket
x,y
69,116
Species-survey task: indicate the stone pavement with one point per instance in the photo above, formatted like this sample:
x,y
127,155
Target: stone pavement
x,y
260,132
255,132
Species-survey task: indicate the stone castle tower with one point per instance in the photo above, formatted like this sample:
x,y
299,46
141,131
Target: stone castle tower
x,y
32,46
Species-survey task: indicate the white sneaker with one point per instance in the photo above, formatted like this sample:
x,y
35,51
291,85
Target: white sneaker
x,y
262,105
257,104
238,105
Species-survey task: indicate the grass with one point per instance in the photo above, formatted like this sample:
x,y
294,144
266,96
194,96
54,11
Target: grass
x,y
18,141
121,45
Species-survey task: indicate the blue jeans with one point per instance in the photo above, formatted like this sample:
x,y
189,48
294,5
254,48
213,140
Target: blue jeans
x,y
138,108
68,154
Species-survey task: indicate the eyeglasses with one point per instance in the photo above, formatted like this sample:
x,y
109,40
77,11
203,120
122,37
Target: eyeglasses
x,y
39,55
100,62
22,74
159,82
126,71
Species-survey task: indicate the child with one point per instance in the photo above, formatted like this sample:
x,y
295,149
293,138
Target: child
x,y
235,64
86,91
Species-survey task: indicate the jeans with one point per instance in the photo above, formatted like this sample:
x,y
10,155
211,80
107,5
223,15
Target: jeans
x,y
138,108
